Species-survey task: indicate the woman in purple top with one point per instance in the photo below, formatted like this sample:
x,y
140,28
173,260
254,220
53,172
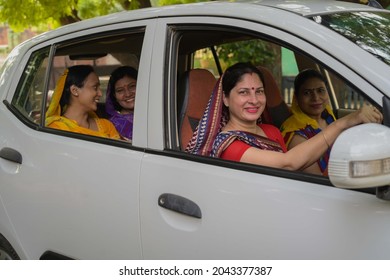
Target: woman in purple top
x,y
120,99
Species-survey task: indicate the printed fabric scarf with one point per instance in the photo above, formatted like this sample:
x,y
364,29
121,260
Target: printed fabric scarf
x,y
224,139
211,123
301,124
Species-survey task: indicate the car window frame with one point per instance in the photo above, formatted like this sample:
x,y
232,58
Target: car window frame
x,y
78,37
309,49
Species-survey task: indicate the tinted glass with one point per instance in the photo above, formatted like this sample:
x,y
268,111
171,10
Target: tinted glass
x,y
370,31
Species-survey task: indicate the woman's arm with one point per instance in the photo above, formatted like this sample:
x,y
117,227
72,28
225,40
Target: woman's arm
x,y
314,168
308,152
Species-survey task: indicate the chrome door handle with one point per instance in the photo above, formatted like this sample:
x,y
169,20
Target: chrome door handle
x,y
11,155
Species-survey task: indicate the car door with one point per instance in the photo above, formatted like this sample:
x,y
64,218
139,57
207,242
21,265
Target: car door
x,y
69,196
201,208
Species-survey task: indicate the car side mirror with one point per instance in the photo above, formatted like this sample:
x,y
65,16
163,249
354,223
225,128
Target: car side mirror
x,y
360,157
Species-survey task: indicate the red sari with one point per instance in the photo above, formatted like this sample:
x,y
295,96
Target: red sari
x,y
273,142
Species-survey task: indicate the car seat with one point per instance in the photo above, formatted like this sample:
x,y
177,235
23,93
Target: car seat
x,y
195,89
277,110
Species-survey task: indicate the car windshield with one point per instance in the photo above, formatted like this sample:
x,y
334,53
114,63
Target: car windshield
x,y
368,30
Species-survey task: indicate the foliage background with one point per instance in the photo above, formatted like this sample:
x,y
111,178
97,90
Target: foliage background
x,y
43,15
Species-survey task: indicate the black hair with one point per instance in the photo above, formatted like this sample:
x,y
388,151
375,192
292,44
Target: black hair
x,y
117,74
305,75
76,76
234,74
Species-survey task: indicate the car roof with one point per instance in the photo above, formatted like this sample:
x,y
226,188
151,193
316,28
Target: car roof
x,y
311,7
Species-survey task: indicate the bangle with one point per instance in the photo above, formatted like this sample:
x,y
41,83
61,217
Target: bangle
x,y
326,140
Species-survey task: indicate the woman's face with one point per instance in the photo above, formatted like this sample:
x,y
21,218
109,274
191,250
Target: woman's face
x,y
246,101
89,95
313,97
125,93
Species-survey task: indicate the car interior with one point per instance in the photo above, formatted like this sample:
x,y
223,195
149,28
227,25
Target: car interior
x,y
194,45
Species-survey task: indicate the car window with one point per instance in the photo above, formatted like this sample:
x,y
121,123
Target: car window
x,y
370,31
345,97
29,98
104,52
215,50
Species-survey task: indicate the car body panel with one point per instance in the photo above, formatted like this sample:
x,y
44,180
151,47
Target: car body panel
x,y
256,216
61,205
69,196
89,198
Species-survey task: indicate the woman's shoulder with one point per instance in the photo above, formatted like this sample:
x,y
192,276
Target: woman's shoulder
x,y
60,122
292,120
104,121
107,127
274,134
235,150
268,127
103,124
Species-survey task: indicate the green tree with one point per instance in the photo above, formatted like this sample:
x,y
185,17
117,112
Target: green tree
x,y
249,51
23,14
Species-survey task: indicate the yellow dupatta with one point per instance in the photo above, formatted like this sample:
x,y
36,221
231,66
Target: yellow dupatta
x,y
299,120
54,111
55,120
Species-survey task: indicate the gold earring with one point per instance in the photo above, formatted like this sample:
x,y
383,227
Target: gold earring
x,y
73,90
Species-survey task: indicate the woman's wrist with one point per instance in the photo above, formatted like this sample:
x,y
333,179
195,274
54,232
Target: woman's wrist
x,y
347,121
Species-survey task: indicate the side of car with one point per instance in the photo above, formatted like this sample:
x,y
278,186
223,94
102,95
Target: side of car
x,y
94,198
287,214
72,195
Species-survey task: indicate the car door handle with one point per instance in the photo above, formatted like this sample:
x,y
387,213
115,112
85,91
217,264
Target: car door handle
x,y
179,204
11,155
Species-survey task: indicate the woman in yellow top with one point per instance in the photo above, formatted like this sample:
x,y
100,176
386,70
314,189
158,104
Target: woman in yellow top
x,y
74,103
311,115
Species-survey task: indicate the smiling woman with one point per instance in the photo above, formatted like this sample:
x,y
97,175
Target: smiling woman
x,y
234,130
311,114
74,103
120,101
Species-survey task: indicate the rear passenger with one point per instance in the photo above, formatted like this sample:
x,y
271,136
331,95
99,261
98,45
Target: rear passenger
x,y
120,100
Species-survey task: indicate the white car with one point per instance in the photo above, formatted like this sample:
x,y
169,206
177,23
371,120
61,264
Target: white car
x,y
70,196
